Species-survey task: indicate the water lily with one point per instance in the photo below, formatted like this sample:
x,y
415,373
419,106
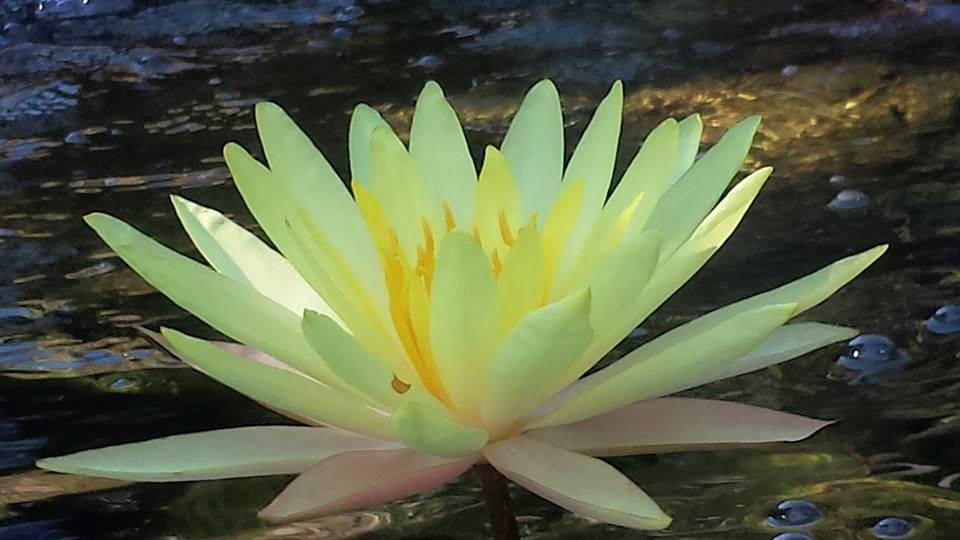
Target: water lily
x,y
438,318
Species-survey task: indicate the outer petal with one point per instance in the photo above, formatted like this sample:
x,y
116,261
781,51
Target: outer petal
x,y
354,365
440,150
231,307
595,155
691,129
288,392
531,364
464,319
304,172
670,363
239,254
682,208
210,455
672,273
648,174
355,480
678,425
362,123
282,218
788,342
581,484
534,148
425,425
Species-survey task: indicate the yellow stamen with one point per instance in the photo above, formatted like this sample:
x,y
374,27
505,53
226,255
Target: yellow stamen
x,y
497,263
476,236
505,231
448,218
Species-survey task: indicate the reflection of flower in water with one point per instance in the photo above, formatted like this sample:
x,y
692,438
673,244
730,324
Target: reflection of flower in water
x,y
439,317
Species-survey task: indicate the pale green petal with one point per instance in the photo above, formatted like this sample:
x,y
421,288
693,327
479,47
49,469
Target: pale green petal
x,y
533,146
596,154
682,207
426,426
281,389
788,342
648,174
464,318
362,123
398,187
354,365
621,278
584,485
656,426
210,455
239,254
531,364
276,211
440,151
361,480
691,129
672,273
233,308
317,188
670,363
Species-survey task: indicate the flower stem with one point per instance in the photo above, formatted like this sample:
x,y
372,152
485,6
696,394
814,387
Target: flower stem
x,y
502,520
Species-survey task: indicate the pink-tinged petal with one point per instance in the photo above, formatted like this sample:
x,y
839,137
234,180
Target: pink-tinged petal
x,y
584,485
355,480
678,425
234,348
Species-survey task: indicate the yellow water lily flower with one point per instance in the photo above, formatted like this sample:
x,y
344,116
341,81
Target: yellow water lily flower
x,y
439,318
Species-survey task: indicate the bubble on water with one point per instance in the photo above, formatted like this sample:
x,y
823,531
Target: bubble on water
x,y
946,320
794,535
892,528
179,41
342,33
849,199
871,355
428,62
75,137
789,70
794,513
348,13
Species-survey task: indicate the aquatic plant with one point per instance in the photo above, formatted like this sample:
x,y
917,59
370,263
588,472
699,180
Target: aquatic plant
x,y
439,319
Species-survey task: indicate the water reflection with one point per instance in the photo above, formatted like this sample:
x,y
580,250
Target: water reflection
x,y
855,95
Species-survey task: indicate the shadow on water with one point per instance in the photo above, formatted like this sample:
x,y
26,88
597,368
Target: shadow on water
x,y
113,105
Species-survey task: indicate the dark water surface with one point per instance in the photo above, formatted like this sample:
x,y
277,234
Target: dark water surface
x,y
112,106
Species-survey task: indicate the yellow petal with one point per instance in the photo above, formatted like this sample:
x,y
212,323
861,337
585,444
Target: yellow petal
x,y
440,151
667,364
535,355
396,183
427,427
520,283
464,319
556,230
496,194
534,147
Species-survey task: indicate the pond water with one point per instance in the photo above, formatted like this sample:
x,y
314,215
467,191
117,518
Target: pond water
x,y
113,106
